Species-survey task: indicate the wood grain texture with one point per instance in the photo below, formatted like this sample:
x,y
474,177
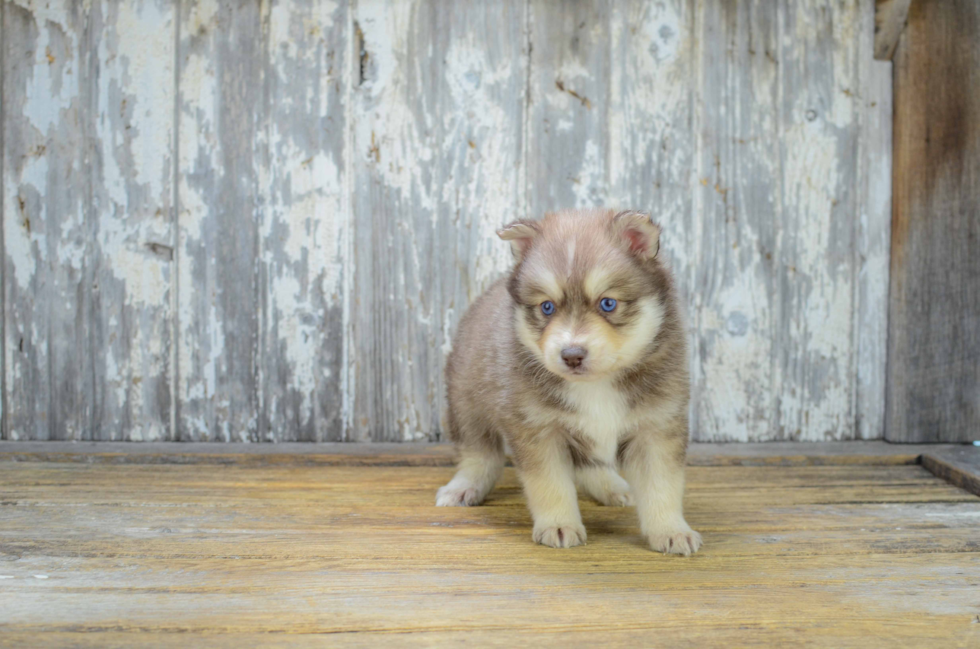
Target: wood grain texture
x,y
569,105
890,17
734,249
87,183
221,179
934,317
872,244
781,297
815,266
827,556
305,221
437,153
262,220
3,247
959,465
292,256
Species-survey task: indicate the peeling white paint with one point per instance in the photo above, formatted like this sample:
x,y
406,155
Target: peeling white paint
x,y
53,86
24,239
89,189
739,142
145,54
489,194
589,187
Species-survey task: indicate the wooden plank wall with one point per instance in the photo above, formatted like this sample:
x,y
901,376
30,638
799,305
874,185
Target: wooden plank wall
x,y
934,328
88,127
242,220
262,90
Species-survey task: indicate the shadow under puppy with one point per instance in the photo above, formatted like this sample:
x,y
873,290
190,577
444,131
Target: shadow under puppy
x,y
578,361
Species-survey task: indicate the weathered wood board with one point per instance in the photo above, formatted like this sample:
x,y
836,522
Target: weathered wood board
x,y
305,225
262,221
87,189
231,556
934,317
890,17
437,160
221,106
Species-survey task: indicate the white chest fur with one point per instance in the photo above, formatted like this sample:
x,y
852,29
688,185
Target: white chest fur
x,y
600,412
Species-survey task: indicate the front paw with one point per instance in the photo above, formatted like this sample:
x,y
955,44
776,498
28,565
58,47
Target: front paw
x,y
679,540
560,536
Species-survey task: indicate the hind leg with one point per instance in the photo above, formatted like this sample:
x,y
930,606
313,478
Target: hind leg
x,y
481,461
604,485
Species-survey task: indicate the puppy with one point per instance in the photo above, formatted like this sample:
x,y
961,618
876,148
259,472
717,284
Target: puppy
x,y
577,360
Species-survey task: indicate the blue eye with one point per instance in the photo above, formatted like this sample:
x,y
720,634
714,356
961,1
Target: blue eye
x,y
548,307
607,304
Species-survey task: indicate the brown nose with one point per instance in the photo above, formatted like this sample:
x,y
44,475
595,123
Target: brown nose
x,y
573,356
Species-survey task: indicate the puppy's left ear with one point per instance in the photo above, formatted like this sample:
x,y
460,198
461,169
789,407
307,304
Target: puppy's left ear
x,y
638,233
520,234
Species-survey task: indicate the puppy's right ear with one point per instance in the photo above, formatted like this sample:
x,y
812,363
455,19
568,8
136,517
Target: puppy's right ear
x,y
520,234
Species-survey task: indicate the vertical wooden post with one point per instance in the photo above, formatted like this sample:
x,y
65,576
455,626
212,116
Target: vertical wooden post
x,y
890,17
933,390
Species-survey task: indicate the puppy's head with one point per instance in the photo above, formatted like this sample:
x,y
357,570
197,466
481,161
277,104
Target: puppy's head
x,y
590,291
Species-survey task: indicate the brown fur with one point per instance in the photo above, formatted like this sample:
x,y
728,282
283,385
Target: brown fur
x,y
505,384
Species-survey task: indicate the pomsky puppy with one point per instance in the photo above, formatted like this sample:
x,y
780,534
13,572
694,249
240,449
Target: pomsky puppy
x,y
577,360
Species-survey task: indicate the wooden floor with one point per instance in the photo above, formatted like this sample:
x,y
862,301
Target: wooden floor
x,y
279,554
